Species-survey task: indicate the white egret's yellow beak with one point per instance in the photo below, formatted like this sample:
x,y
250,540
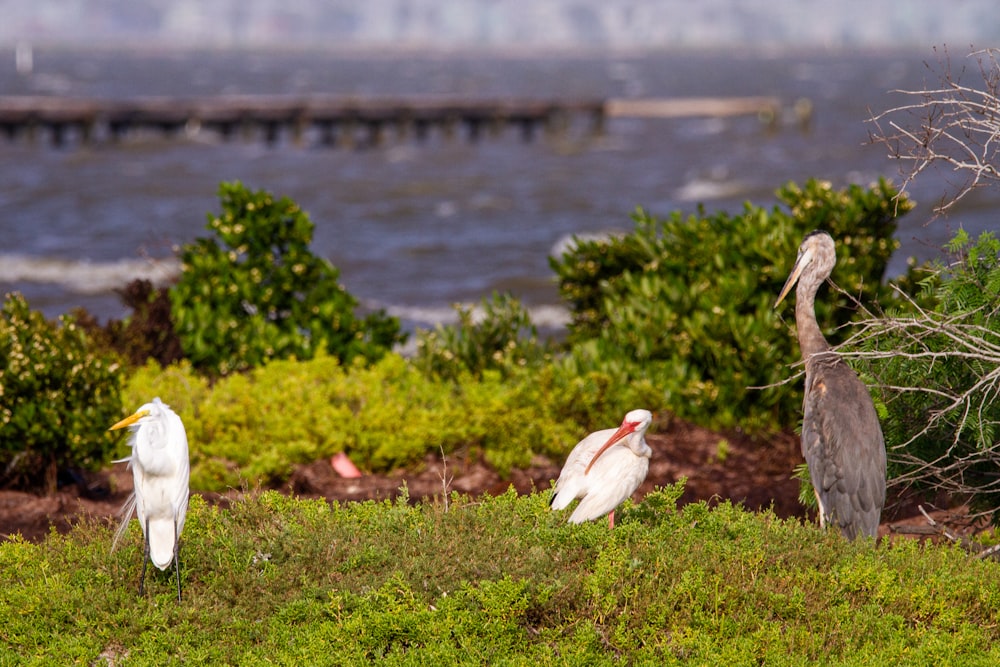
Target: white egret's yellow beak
x,y
800,264
131,419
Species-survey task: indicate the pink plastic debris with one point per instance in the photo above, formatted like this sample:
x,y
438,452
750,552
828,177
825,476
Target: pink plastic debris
x,y
344,467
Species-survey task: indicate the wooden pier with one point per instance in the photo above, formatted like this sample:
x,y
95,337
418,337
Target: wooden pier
x,y
337,121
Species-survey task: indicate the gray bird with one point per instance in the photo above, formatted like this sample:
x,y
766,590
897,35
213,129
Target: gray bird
x,y
841,437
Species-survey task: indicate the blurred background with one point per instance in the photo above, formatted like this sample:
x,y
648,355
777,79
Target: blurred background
x,y
416,226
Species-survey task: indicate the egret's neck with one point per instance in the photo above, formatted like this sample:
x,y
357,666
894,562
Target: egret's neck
x,y
811,339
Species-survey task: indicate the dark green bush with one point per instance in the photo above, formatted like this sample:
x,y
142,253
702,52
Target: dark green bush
x,y
255,291
686,303
148,333
503,338
57,398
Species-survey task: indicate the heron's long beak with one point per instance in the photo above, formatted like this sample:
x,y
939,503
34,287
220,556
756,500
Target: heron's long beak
x,y
623,430
800,264
131,419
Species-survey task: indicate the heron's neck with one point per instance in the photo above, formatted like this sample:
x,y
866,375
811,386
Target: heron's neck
x,y
811,339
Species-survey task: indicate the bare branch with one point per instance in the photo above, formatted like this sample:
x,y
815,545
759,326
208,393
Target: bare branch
x,y
955,125
930,339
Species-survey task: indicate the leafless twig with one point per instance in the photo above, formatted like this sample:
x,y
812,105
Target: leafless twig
x,y
966,543
445,478
974,346
955,125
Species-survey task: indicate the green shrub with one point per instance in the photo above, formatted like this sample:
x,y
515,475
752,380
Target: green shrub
x,y
255,291
57,398
938,371
503,338
686,304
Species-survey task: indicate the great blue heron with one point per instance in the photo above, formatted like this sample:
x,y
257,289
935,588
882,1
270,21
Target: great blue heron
x,y
841,437
160,469
602,475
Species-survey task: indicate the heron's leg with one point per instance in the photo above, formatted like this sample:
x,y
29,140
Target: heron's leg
x,y
145,557
177,559
822,510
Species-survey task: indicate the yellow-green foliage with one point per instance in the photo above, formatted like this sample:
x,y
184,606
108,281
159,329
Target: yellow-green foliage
x,y
255,427
501,580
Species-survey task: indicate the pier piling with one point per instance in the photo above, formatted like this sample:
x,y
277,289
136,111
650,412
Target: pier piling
x,y
349,122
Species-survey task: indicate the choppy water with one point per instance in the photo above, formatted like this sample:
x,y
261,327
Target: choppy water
x,y
416,227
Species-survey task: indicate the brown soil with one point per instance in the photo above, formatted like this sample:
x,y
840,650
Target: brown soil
x,y
719,466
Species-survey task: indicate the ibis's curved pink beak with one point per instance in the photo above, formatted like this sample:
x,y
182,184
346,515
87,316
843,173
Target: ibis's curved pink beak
x,y
623,430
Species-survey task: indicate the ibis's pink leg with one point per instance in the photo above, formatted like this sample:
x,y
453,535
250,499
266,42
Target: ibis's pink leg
x,y
611,519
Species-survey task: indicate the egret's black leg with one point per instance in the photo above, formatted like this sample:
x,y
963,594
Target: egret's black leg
x,y
145,557
177,559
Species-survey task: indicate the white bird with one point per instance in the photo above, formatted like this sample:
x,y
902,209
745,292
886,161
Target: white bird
x,y
161,470
603,475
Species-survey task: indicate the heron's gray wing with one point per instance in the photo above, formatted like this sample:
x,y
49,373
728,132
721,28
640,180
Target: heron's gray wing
x,y
843,445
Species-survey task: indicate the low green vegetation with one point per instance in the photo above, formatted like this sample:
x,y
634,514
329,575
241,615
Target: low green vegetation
x,y
503,338
500,581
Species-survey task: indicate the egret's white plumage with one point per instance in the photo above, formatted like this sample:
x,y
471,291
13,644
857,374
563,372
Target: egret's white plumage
x,y
161,470
604,469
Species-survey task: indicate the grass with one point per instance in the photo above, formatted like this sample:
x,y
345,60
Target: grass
x,y
499,581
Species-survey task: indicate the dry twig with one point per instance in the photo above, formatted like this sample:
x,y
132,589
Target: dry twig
x,y
955,125
445,478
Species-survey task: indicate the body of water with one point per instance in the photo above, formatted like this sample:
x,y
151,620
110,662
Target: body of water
x,y
415,227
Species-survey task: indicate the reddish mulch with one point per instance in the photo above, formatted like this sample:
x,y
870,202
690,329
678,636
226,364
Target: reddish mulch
x,y
754,471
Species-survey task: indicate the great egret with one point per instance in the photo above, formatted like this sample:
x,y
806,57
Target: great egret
x,y
603,475
161,469
841,436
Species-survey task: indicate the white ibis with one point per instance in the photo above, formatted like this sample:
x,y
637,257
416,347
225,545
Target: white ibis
x,y
604,469
841,437
161,469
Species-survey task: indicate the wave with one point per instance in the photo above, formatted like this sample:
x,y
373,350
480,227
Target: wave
x,y
701,190
84,276
567,242
543,316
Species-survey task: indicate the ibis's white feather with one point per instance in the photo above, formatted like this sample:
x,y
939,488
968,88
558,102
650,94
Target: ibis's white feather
x,y
612,478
